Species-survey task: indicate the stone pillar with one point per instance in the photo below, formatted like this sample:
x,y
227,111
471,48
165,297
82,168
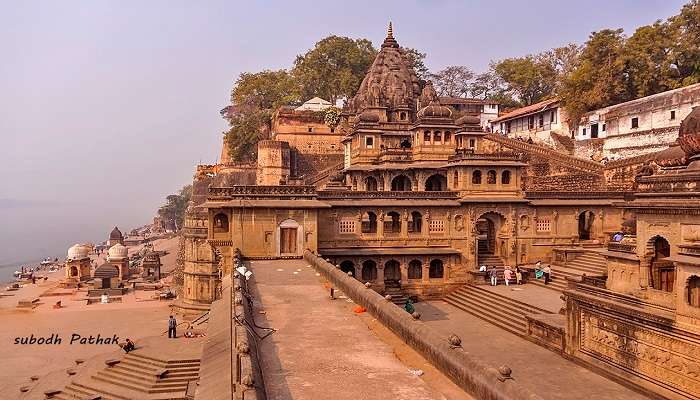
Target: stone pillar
x,y
385,182
644,271
404,224
380,223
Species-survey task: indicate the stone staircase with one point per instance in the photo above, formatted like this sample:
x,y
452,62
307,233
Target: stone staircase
x,y
501,311
589,263
398,297
136,376
489,260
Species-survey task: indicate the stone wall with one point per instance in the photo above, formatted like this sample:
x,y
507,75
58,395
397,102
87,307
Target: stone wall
x,y
565,183
638,143
476,378
306,164
273,162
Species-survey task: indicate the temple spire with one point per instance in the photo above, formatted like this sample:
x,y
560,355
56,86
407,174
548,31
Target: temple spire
x,y
390,32
390,41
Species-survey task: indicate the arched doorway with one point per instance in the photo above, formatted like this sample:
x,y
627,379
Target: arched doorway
x,y
415,269
436,183
369,271
401,183
289,238
662,272
348,266
369,222
392,223
487,228
392,273
73,271
694,291
370,184
585,223
437,270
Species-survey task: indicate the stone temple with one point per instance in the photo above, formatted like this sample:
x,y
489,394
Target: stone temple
x,y
417,197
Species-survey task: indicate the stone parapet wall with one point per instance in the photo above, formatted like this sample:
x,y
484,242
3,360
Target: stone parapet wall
x,y
639,143
564,183
476,378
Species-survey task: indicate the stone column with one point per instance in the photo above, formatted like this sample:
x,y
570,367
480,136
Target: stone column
x,y
385,182
644,271
380,224
404,224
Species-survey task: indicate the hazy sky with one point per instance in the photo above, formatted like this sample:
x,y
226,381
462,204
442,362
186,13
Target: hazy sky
x,y
106,106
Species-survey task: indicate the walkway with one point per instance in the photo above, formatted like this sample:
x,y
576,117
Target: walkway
x,y
321,349
538,369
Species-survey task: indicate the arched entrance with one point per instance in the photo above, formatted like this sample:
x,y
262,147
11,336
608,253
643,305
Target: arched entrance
x,y
585,225
289,238
401,183
436,183
348,266
392,273
369,271
73,271
370,184
487,228
662,274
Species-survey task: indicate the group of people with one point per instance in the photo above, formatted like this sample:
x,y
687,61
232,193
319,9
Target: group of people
x,y
508,274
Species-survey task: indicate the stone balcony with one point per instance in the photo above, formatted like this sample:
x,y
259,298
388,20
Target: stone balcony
x,y
260,192
333,194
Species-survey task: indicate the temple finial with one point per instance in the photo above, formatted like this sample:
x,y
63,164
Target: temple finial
x,y
390,31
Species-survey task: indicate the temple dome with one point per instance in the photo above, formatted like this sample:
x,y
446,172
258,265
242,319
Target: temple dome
x,y
468,119
116,234
368,117
435,110
689,133
118,251
77,252
390,81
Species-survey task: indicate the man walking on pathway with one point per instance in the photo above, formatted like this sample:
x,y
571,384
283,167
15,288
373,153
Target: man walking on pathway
x,y
507,275
547,274
172,326
494,276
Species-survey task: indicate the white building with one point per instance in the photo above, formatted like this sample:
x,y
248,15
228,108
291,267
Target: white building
x,y
636,127
315,104
487,110
536,121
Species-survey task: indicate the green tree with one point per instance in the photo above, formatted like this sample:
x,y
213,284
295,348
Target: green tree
x,y
684,54
453,81
247,128
173,211
264,90
529,79
647,63
598,79
417,61
334,68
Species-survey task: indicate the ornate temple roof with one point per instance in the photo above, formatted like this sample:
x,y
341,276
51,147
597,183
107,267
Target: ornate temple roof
x,y
390,82
116,234
106,271
689,133
117,251
77,252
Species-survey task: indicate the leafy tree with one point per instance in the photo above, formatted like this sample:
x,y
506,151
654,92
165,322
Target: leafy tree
x,y
646,61
334,68
684,54
264,90
173,211
417,61
529,79
453,81
247,128
598,80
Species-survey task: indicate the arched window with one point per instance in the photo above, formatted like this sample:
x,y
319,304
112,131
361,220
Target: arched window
x,y
348,266
369,271
455,179
663,272
401,183
402,116
505,177
415,270
392,223
693,290
447,137
472,143
370,184
220,223
437,137
476,177
405,144
426,137
491,177
415,225
392,271
436,269
369,222
436,183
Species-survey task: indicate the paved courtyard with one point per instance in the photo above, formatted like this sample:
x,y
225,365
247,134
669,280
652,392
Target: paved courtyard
x,y
321,348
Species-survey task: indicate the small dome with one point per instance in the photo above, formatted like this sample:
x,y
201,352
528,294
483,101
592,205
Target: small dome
x,y
368,117
77,252
435,110
468,120
116,234
106,271
689,133
118,251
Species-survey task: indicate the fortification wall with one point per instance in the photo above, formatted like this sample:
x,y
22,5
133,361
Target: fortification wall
x,y
475,377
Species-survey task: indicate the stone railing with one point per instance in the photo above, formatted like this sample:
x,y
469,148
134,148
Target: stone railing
x,y
395,154
547,153
478,379
254,191
533,195
466,156
622,247
596,281
340,195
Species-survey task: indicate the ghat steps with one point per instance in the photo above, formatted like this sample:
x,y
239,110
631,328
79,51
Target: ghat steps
x,y
589,263
136,377
501,311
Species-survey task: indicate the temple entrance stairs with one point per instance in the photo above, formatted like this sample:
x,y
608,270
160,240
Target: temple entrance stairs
x,y
489,260
136,376
495,308
589,263
393,288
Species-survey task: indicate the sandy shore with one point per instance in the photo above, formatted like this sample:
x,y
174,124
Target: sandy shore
x,y
139,315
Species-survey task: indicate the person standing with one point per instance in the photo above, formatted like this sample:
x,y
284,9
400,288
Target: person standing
x,y
494,276
547,274
518,276
507,275
172,326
